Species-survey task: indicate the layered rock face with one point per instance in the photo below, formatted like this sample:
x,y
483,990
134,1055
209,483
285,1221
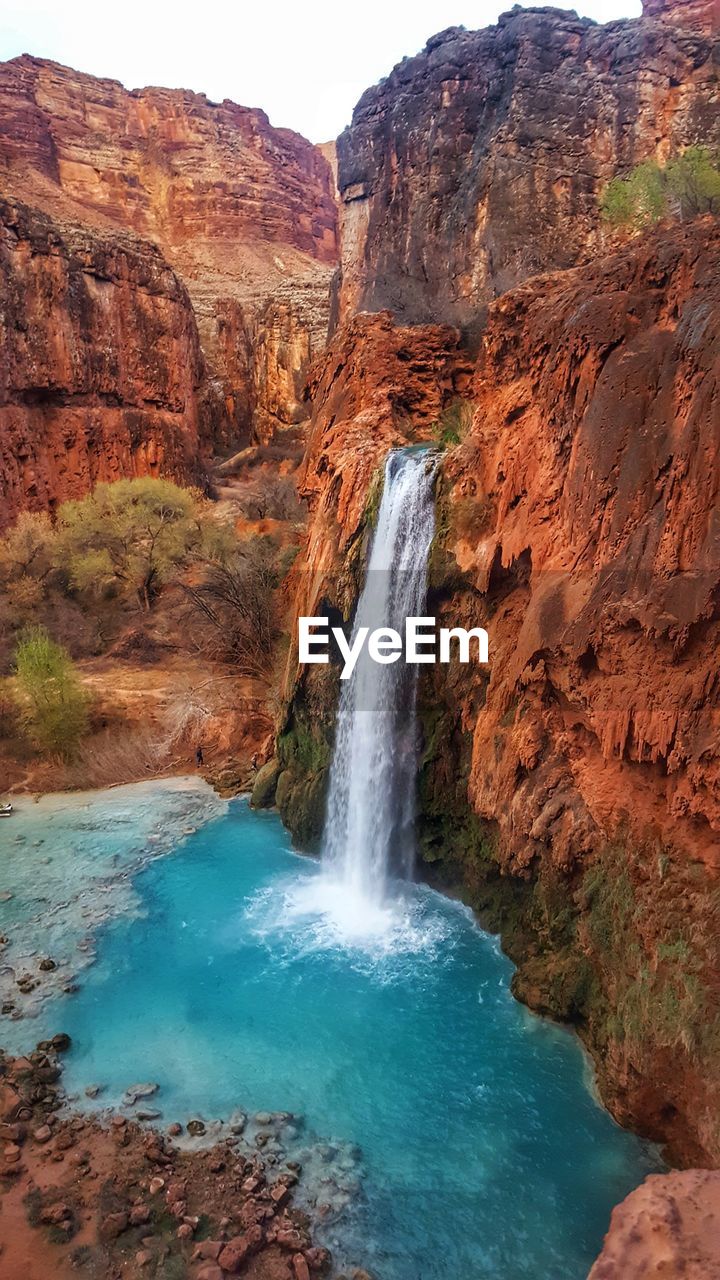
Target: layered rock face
x,y
692,15
243,214
481,161
572,787
101,369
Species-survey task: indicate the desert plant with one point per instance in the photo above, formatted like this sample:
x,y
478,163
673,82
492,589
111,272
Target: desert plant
x,y
27,556
693,179
54,706
271,497
27,548
687,186
134,536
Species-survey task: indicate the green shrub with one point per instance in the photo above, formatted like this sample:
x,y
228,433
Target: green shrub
x,y
636,201
693,179
687,186
54,705
135,535
27,558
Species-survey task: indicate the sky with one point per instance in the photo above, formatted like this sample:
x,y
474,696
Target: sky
x,y
306,65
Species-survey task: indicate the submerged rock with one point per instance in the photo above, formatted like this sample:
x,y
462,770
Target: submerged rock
x,y
137,1091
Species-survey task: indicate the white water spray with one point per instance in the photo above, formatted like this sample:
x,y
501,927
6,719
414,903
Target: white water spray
x,y
371,804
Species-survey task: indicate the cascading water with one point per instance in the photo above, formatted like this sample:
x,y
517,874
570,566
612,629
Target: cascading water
x,y
371,804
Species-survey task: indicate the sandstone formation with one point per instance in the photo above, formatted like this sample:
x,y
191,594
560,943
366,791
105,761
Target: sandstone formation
x,y
480,162
582,514
222,205
693,15
669,1227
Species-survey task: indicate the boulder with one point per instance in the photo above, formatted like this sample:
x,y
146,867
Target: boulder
x,y
265,785
208,1251
138,1091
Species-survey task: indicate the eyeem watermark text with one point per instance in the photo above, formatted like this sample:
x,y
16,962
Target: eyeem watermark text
x,y
422,642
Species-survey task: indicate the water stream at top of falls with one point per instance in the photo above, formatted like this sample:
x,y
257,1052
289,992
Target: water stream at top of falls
x,y
371,802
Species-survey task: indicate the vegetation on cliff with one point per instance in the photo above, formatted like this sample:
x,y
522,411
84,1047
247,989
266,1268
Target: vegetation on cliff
x,y
686,187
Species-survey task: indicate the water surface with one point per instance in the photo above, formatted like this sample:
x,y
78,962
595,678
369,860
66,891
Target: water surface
x,y
237,977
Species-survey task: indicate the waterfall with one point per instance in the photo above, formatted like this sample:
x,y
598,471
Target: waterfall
x,y
371,803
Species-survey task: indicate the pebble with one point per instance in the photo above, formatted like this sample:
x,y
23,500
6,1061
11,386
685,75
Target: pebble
x,y
300,1267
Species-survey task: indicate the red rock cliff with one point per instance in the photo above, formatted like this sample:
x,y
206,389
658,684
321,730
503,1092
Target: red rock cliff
x,y
101,372
480,162
243,214
669,1227
573,787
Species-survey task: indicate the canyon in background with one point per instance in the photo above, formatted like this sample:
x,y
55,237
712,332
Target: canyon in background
x,y
190,293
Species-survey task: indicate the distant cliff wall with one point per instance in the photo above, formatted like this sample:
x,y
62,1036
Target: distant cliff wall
x,y
101,373
480,162
237,217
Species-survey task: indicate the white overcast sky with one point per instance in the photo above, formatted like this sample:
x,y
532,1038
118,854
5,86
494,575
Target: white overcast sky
x,y
305,64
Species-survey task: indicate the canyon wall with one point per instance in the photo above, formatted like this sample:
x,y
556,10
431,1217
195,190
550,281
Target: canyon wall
x,y
569,790
480,162
237,217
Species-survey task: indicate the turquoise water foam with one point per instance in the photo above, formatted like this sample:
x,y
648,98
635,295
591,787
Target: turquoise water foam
x,y
238,978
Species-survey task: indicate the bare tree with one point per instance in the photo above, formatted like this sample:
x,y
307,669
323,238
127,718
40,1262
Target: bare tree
x,y
233,608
